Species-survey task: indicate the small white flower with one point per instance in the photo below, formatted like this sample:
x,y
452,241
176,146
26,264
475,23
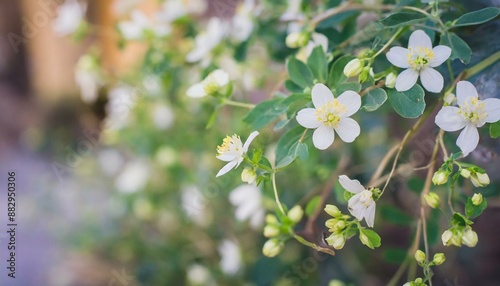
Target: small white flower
x,y
230,255
212,84
316,40
206,41
247,200
69,17
163,116
194,204
470,114
331,114
232,151
133,177
361,205
242,22
140,24
175,9
121,101
88,78
419,60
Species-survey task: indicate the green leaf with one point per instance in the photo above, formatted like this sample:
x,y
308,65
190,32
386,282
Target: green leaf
x,y
354,86
495,130
313,205
459,48
473,211
292,87
264,113
402,19
287,141
318,64
299,73
374,99
337,71
477,17
211,119
395,255
395,215
373,239
297,150
410,103
461,220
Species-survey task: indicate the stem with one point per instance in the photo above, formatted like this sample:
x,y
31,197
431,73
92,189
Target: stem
x,y
312,245
239,104
392,39
450,70
349,5
481,65
435,19
273,178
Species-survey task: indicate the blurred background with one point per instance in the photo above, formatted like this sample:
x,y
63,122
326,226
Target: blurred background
x,y
116,172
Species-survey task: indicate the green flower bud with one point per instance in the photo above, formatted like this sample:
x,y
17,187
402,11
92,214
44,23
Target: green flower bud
x,y
469,237
432,199
465,173
272,247
450,99
477,199
390,80
332,210
480,179
446,237
331,223
420,256
297,40
248,176
340,225
353,68
439,258
336,240
271,230
363,76
271,219
440,177
296,214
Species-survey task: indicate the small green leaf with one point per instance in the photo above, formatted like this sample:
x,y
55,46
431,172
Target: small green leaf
x,y
264,113
313,205
211,119
461,220
318,64
337,71
292,87
354,86
297,150
477,17
495,130
374,99
410,103
459,48
402,19
299,73
473,211
285,161
373,239
287,141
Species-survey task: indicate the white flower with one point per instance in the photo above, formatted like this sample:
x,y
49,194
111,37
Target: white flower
x,y
206,41
175,9
232,151
316,40
134,177
361,205
419,60
470,114
194,204
69,17
88,78
230,261
247,200
242,22
293,11
331,114
121,100
163,116
140,24
212,84
198,274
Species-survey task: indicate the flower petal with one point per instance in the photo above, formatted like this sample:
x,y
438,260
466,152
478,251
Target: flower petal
x,y
226,157
449,119
321,94
432,80
347,129
249,140
323,137
406,80
492,108
468,139
465,89
227,168
398,56
370,214
196,90
353,186
307,118
356,208
441,54
420,39
351,100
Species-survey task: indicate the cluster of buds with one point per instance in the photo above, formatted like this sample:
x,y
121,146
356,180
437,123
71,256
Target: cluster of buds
x,y
420,257
356,67
337,226
457,235
432,199
418,282
441,176
297,39
248,175
278,231
478,177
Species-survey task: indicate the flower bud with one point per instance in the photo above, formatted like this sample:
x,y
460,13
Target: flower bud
x,y
439,258
364,75
469,237
440,177
340,225
465,173
272,247
336,240
297,40
390,80
332,210
331,223
420,256
480,179
446,237
432,200
248,176
449,99
271,219
353,68
296,214
477,199
271,230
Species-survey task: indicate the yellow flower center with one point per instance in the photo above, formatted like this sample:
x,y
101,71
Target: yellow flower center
x,y
230,144
330,113
419,58
366,198
473,110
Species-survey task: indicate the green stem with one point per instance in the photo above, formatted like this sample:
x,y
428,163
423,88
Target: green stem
x,y
239,104
392,39
470,72
276,197
312,245
431,17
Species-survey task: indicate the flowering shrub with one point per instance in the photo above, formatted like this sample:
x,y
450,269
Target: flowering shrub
x,y
298,74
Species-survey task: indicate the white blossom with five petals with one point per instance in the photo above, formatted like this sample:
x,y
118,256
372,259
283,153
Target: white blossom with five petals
x,y
232,150
361,205
331,115
419,60
470,114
